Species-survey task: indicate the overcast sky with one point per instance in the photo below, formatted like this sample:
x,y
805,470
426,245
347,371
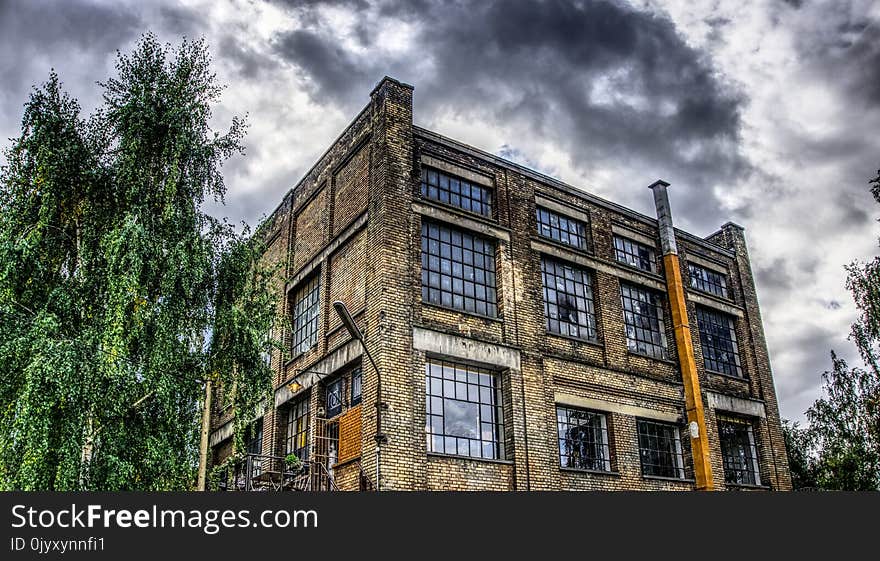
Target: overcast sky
x,y
764,113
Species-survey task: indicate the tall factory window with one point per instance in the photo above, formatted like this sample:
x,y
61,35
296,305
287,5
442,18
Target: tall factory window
x,y
568,300
643,319
458,269
583,439
463,410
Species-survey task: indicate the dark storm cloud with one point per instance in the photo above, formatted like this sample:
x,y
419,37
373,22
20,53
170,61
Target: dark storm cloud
x,y
607,83
840,44
45,33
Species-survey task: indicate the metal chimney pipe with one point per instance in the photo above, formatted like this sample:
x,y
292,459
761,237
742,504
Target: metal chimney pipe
x,y
684,343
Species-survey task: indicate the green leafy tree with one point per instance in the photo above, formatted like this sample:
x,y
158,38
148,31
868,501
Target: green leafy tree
x,y
801,456
119,296
841,448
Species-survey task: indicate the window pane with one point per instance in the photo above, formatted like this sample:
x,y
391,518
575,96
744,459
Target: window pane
x,y
583,439
660,449
305,316
561,228
568,300
635,254
738,452
457,192
643,320
461,416
458,269
707,280
718,342
297,435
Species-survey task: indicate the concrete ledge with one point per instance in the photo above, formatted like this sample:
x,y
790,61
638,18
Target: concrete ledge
x,y
714,304
456,219
454,346
459,171
328,365
742,406
561,208
613,407
633,235
711,265
586,261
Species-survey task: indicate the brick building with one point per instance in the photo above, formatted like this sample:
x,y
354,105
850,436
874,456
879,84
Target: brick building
x,y
521,327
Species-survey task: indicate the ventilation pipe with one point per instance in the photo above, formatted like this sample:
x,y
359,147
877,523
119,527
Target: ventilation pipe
x,y
696,415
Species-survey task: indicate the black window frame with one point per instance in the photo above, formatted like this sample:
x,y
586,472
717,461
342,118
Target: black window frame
x,y
565,301
471,387
718,342
561,228
447,249
306,312
296,435
667,436
574,450
707,280
447,188
741,467
638,323
626,251
357,381
253,438
334,397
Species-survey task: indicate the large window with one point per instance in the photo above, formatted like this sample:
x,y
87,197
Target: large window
x,y
458,270
568,300
643,318
463,410
718,342
738,452
297,435
306,305
635,254
660,449
562,228
583,439
707,280
456,192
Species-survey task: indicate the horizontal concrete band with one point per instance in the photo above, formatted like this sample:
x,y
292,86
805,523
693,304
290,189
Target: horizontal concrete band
x,y
739,405
459,171
711,265
463,348
561,208
633,235
619,408
450,217
631,276
586,261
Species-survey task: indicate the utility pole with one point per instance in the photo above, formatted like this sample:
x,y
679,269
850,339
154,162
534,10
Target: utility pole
x,y
201,484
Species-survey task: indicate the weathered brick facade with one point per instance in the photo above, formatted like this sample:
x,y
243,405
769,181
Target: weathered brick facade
x,y
356,221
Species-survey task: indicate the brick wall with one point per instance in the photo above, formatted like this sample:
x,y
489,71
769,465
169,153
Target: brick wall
x,y
372,173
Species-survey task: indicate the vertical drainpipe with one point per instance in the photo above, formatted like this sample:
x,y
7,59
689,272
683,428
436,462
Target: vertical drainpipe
x,y
675,289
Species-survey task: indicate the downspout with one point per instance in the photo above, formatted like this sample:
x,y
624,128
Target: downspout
x,y
675,290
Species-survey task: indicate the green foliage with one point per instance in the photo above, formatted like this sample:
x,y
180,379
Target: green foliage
x,y
800,459
841,448
119,296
